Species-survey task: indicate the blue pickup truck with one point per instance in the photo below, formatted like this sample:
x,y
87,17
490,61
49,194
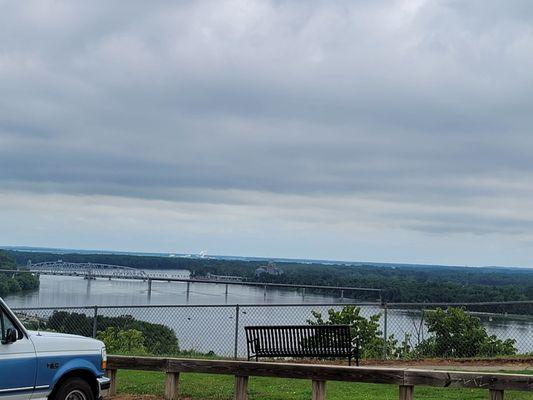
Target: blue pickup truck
x,y
47,365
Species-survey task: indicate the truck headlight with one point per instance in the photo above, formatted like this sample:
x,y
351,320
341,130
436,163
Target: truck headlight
x,y
104,358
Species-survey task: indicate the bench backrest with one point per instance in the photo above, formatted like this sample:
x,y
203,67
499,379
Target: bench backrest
x,y
300,340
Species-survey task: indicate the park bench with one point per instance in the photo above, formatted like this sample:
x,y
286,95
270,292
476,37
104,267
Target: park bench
x,y
303,341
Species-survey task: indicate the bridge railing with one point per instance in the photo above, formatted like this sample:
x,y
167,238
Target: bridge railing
x,y
406,379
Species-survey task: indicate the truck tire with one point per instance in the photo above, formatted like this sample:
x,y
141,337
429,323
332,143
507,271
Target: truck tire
x,y
74,389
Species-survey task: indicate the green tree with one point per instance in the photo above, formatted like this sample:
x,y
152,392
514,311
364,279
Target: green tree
x,y
366,330
126,342
457,334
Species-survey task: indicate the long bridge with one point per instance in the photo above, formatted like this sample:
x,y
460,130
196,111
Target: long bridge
x,y
91,271
96,270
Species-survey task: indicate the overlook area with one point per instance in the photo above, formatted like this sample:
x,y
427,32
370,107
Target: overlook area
x,y
266,200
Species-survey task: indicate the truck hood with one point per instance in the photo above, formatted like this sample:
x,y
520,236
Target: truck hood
x,y
55,334
45,342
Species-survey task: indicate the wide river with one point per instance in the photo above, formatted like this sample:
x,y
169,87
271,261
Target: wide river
x,y
63,291
212,327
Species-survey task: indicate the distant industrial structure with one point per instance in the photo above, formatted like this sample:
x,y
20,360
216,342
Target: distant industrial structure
x,y
270,269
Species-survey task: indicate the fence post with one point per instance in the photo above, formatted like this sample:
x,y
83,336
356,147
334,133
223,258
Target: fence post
x,y
385,323
112,374
172,382
236,344
319,390
95,317
496,394
241,388
406,392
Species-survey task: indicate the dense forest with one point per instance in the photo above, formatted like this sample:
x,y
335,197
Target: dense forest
x,y
400,283
12,283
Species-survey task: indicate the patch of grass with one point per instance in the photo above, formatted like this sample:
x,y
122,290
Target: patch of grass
x,y
220,387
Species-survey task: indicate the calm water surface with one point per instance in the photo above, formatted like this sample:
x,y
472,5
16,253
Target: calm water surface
x,y
60,291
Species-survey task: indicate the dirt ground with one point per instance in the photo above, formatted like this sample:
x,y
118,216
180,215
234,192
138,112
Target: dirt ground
x,y
497,364
478,365
145,397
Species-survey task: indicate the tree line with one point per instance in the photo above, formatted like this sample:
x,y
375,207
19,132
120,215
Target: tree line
x,y
12,283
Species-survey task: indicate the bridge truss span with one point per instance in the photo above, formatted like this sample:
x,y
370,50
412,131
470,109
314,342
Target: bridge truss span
x,y
87,270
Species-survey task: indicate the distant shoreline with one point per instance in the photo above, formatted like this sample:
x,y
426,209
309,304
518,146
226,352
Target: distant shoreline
x,y
52,250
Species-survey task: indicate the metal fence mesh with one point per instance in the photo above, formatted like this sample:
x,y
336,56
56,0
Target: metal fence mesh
x,y
395,331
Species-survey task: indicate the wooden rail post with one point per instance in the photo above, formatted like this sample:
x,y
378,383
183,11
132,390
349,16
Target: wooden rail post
x,y
172,382
241,387
112,374
319,390
406,392
496,394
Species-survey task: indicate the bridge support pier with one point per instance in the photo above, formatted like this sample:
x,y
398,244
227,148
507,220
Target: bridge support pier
x,y
188,290
88,291
149,288
342,294
303,293
265,291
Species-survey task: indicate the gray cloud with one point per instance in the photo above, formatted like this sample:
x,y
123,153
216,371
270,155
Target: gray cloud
x,y
425,104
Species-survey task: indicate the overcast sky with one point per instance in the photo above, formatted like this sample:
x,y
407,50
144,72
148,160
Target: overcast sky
x,y
360,130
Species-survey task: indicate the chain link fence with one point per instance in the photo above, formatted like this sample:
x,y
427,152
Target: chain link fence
x,y
446,330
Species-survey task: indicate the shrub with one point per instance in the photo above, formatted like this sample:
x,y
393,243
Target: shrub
x,y
127,342
367,330
458,334
158,339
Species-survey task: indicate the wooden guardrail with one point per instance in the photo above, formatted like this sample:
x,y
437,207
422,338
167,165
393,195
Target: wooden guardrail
x,y
405,378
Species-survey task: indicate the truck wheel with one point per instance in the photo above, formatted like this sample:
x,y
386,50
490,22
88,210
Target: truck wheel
x,y
74,389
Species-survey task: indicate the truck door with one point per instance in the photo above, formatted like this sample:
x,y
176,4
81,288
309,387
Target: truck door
x,y
18,363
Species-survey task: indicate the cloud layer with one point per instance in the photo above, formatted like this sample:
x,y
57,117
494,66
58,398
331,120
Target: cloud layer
x,y
311,129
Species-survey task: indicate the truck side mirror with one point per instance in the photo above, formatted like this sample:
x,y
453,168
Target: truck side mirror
x,y
11,336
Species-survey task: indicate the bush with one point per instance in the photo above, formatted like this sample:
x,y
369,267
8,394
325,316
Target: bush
x,y
367,330
157,339
458,334
126,342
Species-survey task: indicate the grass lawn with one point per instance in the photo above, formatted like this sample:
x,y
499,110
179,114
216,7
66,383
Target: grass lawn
x,y
220,387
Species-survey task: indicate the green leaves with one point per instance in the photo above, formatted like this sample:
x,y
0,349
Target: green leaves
x,y
368,330
455,334
458,334
158,339
126,342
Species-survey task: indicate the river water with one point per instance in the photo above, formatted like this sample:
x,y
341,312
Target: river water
x,y
211,327
63,291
